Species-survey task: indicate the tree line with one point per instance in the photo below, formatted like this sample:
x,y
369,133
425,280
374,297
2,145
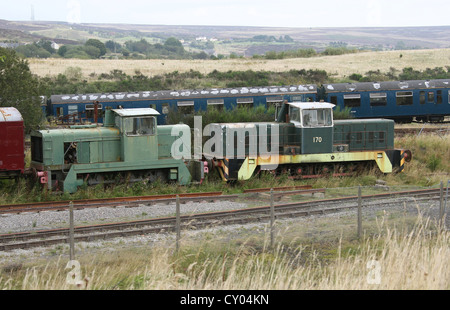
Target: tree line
x,y
172,48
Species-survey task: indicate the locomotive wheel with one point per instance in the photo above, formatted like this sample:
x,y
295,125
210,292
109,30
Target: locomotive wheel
x,y
311,171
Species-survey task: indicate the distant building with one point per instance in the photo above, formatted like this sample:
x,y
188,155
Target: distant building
x,y
55,46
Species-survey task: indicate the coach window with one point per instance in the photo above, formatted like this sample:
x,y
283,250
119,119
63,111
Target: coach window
x,y
217,103
273,101
439,97
404,97
378,99
90,110
298,98
186,107
247,101
431,96
352,100
73,111
422,97
165,108
59,111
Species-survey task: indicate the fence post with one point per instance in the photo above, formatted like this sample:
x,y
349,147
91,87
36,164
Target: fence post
x,y
177,225
272,219
446,195
441,204
359,213
445,204
71,232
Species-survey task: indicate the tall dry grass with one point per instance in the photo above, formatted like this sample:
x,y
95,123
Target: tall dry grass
x,y
431,162
392,260
340,66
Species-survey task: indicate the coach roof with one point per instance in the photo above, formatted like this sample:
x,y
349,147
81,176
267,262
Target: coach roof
x,y
184,94
379,86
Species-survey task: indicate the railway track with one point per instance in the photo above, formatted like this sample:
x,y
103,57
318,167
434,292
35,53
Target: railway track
x,y
31,239
131,201
104,202
443,130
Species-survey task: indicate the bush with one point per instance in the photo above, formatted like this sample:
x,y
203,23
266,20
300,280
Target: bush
x,y
356,77
339,113
76,52
433,162
73,73
332,51
215,115
407,74
33,50
94,43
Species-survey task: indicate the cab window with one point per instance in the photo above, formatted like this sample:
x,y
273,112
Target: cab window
x,y
294,114
140,126
317,118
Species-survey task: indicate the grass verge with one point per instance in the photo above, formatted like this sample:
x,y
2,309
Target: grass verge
x,y
391,258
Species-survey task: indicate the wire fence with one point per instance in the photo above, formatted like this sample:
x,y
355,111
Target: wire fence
x,y
359,219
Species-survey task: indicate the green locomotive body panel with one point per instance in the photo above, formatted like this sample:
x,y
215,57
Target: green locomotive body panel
x,y
369,134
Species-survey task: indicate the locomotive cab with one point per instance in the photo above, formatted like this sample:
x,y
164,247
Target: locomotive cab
x,y
313,123
138,133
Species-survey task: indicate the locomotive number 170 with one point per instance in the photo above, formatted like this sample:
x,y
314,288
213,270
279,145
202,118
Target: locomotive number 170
x,y
317,139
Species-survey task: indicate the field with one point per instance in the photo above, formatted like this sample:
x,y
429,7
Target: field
x,y
338,66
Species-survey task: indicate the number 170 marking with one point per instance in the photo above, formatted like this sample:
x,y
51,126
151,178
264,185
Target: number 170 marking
x,y
317,139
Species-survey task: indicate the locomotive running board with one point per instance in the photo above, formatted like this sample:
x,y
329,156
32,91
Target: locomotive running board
x,y
380,157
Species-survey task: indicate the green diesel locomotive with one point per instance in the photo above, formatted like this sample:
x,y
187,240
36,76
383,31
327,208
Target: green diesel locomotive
x,y
305,142
130,145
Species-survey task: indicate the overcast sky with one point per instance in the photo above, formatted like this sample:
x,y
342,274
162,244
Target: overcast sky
x,y
271,13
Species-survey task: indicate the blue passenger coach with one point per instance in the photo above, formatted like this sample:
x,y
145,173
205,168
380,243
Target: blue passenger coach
x,y
82,105
401,100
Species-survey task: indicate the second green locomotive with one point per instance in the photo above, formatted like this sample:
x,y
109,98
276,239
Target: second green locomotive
x,y
306,142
